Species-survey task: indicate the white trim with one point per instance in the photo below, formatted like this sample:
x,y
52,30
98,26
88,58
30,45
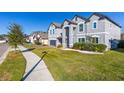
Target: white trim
x,y
98,33
66,26
81,37
95,36
83,27
94,33
96,24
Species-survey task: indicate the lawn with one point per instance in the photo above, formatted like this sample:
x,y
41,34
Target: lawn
x,y
70,65
13,67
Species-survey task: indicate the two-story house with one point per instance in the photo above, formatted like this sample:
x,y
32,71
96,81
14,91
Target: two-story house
x,y
98,28
42,37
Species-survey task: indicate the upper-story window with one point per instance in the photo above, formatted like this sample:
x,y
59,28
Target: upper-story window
x,y
50,32
53,31
81,27
61,34
94,25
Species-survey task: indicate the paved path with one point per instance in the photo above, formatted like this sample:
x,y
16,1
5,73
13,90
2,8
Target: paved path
x,y
40,73
82,51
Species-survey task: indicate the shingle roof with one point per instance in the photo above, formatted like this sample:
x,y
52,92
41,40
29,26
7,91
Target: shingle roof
x,y
81,17
101,17
69,21
58,25
43,35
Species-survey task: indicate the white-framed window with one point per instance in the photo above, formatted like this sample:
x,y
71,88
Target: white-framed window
x,y
94,25
95,40
81,27
81,40
50,32
53,31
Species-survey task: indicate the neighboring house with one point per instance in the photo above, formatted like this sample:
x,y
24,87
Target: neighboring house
x,y
122,36
97,28
3,39
41,36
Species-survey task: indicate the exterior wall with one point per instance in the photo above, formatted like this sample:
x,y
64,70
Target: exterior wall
x,y
45,41
2,41
114,32
31,39
100,25
57,33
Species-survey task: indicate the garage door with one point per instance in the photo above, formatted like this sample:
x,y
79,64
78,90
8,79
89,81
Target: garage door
x,y
53,42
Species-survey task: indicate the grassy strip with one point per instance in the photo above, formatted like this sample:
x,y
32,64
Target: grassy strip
x,y
13,67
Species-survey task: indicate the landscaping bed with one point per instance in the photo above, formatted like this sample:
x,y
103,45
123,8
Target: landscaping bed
x,y
13,67
90,47
71,65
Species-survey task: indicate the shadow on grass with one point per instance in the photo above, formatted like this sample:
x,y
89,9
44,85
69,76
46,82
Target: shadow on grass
x,y
30,71
30,49
121,50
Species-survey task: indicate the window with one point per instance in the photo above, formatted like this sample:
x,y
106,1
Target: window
x,y
95,40
74,28
50,32
94,25
81,27
53,31
81,40
61,34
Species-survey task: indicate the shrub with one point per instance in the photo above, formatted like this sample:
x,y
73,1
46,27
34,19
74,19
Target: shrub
x,y
90,47
77,46
37,42
44,45
121,44
59,46
100,47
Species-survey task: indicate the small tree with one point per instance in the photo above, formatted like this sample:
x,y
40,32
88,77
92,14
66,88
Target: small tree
x,y
15,36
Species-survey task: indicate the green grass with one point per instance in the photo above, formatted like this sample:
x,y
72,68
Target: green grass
x,y
70,65
13,67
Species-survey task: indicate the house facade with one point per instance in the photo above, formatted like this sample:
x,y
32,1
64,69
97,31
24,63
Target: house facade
x,y
3,39
42,37
97,28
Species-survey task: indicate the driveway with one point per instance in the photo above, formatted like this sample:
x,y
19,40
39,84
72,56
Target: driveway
x,y
3,49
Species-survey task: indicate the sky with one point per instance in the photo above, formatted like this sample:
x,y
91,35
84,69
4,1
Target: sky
x,y
39,21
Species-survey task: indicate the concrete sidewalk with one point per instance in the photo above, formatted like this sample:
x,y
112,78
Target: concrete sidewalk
x,y
40,73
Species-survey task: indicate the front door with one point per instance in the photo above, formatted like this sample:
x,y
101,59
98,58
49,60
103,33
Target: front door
x,y
67,36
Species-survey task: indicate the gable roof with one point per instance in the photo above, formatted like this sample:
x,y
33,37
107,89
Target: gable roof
x,y
69,21
101,17
57,25
43,35
77,16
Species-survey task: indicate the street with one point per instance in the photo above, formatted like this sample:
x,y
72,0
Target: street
x,y
3,49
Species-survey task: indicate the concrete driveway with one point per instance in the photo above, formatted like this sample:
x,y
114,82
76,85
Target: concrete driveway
x,y
3,48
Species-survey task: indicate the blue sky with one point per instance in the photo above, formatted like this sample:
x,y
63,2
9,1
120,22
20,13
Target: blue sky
x,y
39,21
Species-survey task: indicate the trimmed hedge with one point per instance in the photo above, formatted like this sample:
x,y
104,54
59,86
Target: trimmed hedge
x,y
37,42
90,47
59,46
